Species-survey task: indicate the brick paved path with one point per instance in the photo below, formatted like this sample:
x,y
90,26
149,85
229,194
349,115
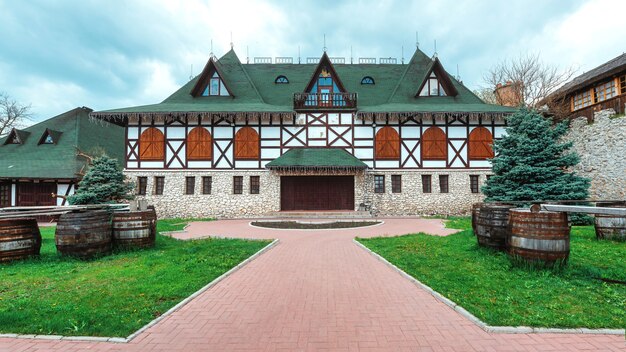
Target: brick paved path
x,y
316,290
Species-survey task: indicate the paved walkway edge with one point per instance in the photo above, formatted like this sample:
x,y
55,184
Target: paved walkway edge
x,y
488,328
153,322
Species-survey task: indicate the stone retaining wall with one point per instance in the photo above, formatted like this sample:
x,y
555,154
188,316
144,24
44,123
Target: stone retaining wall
x,y
222,203
601,146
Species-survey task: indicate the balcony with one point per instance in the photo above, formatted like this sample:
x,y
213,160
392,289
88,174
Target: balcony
x,y
616,103
324,101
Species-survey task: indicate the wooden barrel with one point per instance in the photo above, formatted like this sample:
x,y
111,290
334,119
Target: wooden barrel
x,y
135,229
492,225
611,227
19,239
84,234
541,237
475,212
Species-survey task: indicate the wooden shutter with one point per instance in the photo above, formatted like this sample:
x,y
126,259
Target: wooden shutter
x,y
247,144
152,144
434,144
480,142
387,143
199,144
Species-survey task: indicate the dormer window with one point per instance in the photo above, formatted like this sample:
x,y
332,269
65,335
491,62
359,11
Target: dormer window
x,y
281,80
215,87
367,80
432,87
14,137
49,137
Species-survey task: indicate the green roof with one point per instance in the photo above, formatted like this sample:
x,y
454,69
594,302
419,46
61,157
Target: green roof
x,y
316,158
254,90
71,131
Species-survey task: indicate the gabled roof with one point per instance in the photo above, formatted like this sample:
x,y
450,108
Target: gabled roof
x,y
15,133
210,67
254,89
324,62
316,158
31,160
608,69
442,76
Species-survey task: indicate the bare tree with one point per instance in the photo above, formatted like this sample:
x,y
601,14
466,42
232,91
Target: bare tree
x,y
534,80
12,113
487,95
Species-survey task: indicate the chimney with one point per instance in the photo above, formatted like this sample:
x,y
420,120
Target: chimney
x,y
509,94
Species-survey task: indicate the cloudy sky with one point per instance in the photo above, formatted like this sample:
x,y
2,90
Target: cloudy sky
x,y
57,55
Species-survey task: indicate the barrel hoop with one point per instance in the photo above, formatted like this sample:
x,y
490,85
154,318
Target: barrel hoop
x,y
539,244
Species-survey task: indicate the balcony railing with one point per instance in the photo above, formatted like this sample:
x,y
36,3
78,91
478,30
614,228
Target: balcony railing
x,y
616,103
324,101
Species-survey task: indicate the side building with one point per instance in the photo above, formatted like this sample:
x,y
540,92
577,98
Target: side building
x,y
254,139
46,158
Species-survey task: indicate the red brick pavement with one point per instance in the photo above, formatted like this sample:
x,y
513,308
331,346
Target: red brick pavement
x,y
318,291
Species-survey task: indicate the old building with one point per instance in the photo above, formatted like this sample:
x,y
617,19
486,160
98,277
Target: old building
x,y
254,139
603,87
45,158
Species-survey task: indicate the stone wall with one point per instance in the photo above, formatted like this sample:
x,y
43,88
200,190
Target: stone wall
x,y
601,146
222,203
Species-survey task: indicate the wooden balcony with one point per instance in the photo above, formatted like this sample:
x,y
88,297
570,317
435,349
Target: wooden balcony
x,y
324,101
615,103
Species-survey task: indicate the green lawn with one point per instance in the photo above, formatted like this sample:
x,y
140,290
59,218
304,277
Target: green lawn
x,y
113,295
486,283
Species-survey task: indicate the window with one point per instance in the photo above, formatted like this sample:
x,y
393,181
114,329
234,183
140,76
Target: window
x,y
480,142
48,140
387,144
582,100
379,183
255,184
604,91
432,87
159,184
5,194
281,80
434,144
426,184
152,144
622,85
207,182
443,183
237,184
246,144
367,80
13,138
190,185
396,183
142,185
215,87
199,144
474,183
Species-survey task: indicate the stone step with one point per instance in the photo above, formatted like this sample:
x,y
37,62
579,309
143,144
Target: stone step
x,y
321,214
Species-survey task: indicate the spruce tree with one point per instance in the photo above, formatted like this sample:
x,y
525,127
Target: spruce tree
x,y
531,162
103,183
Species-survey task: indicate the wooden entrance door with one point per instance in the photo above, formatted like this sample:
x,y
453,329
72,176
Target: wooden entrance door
x,y
34,194
317,193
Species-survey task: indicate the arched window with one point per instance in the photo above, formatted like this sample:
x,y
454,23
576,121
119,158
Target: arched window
x,y
434,144
281,80
480,142
199,144
387,143
152,144
246,144
367,80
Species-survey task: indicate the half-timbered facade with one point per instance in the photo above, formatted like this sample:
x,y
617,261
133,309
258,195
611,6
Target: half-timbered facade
x,y
255,139
50,157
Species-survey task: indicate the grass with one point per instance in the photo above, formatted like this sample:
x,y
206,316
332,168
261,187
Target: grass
x,y
487,284
313,226
113,295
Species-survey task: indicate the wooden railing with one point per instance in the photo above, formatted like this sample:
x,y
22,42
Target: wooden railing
x,y
317,101
615,103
